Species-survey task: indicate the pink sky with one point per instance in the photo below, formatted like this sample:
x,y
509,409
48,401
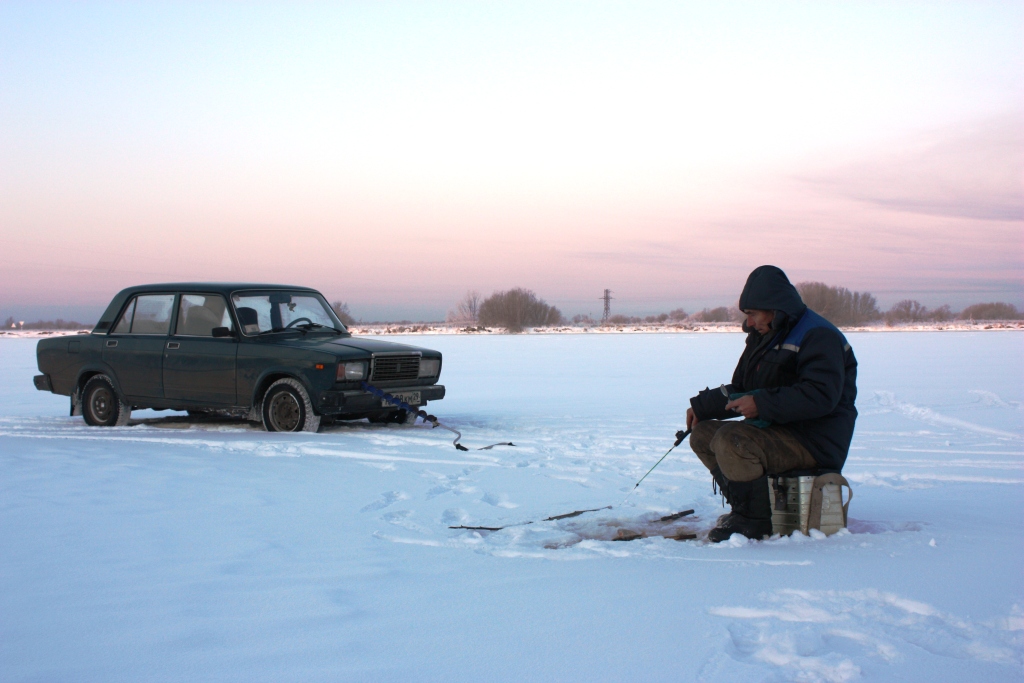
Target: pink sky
x,y
397,155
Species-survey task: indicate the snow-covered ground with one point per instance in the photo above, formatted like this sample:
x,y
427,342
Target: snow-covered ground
x,y
170,551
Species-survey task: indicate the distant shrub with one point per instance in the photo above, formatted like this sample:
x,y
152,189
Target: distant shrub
x,y
839,305
581,319
660,318
997,310
517,308
906,311
340,309
942,314
623,320
713,315
677,315
466,311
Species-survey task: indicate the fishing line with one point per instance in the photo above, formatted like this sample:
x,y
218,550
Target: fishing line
x,y
576,513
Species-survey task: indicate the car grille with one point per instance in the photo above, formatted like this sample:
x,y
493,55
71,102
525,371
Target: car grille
x,y
389,368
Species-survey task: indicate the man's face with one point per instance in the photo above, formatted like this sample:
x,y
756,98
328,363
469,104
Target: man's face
x,y
760,320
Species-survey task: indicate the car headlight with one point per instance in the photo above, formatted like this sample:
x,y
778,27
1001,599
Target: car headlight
x,y
429,367
351,371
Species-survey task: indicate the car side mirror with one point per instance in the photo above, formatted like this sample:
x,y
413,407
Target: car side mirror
x,y
222,332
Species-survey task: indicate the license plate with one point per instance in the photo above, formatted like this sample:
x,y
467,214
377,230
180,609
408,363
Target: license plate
x,y
410,397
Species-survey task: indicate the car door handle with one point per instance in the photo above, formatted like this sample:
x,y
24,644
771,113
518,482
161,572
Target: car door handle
x,y
173,345
111,343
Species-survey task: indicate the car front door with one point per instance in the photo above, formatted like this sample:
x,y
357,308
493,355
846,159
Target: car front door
x,y
199,367
134,348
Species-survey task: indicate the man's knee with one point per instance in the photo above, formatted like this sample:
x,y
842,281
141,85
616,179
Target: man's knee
x,y
703,432
738,451
700,441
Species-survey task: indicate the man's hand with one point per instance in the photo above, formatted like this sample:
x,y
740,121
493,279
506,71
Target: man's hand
x,y
744,405
691,419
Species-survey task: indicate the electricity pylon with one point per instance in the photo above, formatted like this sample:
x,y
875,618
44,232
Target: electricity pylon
x,y
607,298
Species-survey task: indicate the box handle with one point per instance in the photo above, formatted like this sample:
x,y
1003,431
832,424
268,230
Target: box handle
x,y
814,518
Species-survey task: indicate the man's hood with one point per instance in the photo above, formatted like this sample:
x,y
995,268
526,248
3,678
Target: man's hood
x,y
768,289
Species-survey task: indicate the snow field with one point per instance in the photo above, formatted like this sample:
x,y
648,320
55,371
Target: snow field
x,y
170,550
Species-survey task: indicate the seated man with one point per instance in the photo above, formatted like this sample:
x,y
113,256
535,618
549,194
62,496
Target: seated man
x,y
795,384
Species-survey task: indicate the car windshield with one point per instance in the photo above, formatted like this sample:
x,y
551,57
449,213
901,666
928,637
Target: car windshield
x,y
262,312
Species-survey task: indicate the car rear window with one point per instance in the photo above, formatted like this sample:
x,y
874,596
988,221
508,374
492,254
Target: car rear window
x,y
199,314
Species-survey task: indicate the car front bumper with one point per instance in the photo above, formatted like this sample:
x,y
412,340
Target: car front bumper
x,y
356,401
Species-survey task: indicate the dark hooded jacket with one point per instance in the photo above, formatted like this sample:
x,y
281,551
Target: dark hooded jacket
x,y
803,372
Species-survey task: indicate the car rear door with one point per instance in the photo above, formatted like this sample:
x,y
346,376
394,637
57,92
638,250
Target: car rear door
x,y
134,348
197,366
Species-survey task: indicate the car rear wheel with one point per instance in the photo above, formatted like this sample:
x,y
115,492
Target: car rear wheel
x,y
287,408
102,406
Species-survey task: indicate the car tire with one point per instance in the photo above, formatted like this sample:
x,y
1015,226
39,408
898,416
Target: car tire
x,y
287,408
102,405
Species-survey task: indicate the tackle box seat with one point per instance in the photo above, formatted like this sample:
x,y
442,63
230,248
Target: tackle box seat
x,y
809,499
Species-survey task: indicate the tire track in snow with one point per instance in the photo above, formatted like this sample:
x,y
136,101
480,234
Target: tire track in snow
x,y
887,399
260,448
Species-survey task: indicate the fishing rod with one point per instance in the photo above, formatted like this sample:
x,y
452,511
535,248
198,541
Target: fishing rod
x,y
680,435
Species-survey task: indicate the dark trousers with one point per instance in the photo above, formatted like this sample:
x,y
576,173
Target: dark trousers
x,y
745,453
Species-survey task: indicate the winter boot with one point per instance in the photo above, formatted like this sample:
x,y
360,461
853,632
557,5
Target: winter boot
x,y
722,486
751,513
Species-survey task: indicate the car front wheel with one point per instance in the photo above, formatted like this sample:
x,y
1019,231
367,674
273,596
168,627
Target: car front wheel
x,y
102,406
287,408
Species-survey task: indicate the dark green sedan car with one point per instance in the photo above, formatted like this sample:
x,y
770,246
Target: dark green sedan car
x,y
269,353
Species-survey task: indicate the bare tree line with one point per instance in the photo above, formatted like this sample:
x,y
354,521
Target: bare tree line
x,y
58,324
839,305
842,307
518,308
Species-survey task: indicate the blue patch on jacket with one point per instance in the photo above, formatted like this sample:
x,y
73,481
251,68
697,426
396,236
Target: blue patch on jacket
x,y
809,321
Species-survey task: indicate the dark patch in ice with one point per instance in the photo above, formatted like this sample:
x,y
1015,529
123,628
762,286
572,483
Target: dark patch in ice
x,y
863,526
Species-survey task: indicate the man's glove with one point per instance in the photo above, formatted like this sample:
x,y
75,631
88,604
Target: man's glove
x,y
710,405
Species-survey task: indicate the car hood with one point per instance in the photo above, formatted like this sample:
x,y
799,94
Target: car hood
x,y
344,345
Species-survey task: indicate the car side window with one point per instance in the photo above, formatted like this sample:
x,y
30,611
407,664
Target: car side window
x,y
124,325
199,314
153,314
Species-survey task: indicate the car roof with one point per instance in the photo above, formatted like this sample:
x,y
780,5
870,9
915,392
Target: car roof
x,y
218,287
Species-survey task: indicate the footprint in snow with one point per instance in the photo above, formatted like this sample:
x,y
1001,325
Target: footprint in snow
x,y
450,483
454,516
387,498
402,518
457,489
499,501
